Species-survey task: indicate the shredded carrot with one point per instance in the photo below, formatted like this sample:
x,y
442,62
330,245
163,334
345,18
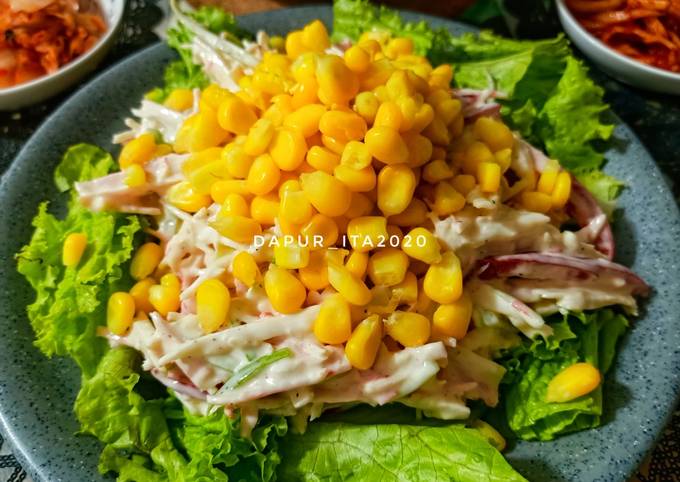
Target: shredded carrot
x,y
38,42
646,30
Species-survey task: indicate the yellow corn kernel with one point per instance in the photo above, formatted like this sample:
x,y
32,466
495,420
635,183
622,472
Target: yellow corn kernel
x,y
377,74
140,293
336,255
344,126
386,145
361,205
352,288
135,176
291,256
356,155
574,381
164,298
288,148
414,214
408,328
493,133
259,137
443,281
138,151
162,150
419,149
399,85
263,176
212,305
562,191
400,46
120,312
245,268
327,194
306,119
281,106
357,59
453,319
370,45
475,154
322,159
145,260
536,201
285,292
396,185
236,160
212,96
489,176
437,132
315,36
421,244
234,115
464,183
234,205
490,434
203,178
320,230
366,105
367,232
73,249
304,67
220,190
265,209
179,100
437,170
333,325
304,93
183,196
295,207
441,76
342,222
388,115
294,44
289,183
357,180
237,228
407,290
363,344
438,153
199,132
315,275
503,158
332,144
388,266
448,109
447,200
277,43
337,83
423,117
357,262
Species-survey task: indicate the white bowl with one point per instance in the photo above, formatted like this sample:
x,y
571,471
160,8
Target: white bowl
x,y
615,64
46,86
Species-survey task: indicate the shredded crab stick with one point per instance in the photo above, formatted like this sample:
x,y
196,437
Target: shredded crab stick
x,y
320,217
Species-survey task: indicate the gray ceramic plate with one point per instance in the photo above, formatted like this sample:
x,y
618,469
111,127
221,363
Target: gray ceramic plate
x,y
36,394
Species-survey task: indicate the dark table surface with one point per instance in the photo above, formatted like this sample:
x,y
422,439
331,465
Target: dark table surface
x,y
654,117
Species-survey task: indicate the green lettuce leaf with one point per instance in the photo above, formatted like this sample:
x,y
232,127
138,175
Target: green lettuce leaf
x,y
353,17
584,337
184,73
343,452
156,439
70,302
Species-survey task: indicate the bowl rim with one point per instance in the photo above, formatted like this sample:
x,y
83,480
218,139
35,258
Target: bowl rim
x,y
112,22
567,17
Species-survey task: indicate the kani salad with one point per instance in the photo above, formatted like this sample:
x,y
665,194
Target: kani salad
x,y
315,224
